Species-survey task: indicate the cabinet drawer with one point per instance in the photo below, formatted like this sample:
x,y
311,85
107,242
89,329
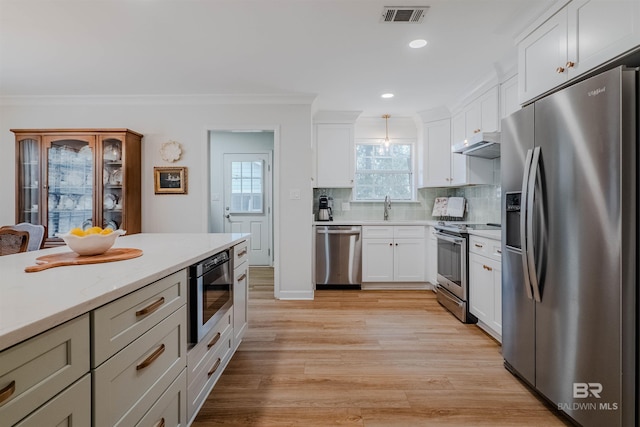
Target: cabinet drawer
x,y
209,344
72,407
208,373
119,323
128,384
408,231
485,247
170,410
377,231
240,253
43,366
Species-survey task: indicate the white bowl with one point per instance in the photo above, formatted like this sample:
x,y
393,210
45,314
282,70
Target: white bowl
x,y
92,244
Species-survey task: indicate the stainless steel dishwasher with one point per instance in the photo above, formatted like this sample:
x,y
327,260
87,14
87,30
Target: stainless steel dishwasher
x,y
338,256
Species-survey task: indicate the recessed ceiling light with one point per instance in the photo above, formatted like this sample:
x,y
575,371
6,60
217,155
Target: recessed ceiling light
x,y
416,44
387,95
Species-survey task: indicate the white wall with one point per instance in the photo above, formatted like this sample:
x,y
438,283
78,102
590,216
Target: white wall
x,y
187,122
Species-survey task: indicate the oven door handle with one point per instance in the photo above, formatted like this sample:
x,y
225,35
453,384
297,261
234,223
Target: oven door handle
x,y
448,238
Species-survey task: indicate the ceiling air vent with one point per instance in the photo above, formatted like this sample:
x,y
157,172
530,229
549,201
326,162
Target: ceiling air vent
x,y
404,14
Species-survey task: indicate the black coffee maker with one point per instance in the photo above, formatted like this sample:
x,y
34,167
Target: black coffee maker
x,y
324,209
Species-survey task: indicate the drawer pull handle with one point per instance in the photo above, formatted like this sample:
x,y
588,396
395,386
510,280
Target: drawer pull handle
x,y
242,253
486,267
560,70
570,64
499,251
150,308
478,246
214,340
152,358
215,367
241,278
8,391
160,423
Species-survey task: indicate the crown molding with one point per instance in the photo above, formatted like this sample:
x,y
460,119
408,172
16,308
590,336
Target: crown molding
x,y
236,99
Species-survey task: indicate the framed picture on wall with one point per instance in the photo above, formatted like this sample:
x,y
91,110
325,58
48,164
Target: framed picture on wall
x,y
170,180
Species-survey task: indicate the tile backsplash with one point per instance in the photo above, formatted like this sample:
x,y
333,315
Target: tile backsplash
x,y
483,203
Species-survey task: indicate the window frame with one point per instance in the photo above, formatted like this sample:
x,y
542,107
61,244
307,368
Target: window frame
x,y
412,142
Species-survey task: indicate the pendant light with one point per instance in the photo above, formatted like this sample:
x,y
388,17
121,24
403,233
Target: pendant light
x,y
386,140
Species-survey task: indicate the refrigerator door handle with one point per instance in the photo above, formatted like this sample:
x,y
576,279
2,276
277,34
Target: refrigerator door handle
x,y
533,172
524,212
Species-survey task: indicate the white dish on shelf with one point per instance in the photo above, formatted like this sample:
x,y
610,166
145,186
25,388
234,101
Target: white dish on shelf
x,y
110,201
112,153
116,177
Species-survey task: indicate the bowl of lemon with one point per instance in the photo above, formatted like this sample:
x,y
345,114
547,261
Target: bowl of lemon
x,y
92,241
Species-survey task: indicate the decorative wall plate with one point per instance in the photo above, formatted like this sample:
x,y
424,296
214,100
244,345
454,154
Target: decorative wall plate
x,y
171,151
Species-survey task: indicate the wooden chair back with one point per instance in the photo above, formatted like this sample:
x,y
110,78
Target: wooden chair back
x,y
13,241
37,234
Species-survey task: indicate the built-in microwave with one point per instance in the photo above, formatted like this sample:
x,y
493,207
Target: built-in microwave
x,y
210,294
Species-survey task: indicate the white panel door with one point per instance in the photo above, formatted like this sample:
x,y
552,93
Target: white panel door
x,y
247,202
408,260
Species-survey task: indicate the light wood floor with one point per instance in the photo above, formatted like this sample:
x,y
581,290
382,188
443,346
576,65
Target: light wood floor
x,y
365,358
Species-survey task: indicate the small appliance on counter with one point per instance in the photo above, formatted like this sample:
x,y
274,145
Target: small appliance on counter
x,y
324,208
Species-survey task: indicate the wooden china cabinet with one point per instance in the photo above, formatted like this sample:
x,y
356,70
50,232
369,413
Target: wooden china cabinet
x,y
68,178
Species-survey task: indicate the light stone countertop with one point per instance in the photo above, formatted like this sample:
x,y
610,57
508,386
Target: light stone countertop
x,y
31,303
378,222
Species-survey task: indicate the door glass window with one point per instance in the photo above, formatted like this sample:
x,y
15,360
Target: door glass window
x,y
247,187
450,261
70,180
28,181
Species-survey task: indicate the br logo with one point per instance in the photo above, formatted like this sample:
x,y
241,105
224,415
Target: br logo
x,y
584,390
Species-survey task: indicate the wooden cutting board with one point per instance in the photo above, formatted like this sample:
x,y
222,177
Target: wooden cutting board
x,y
72,258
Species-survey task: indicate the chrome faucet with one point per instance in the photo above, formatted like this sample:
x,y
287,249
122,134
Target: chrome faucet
x,y
387,207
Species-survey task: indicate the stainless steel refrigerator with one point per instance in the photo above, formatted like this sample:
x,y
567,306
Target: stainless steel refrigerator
x,y
569,275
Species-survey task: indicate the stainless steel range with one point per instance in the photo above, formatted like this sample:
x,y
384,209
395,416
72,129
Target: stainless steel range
x,y
453,266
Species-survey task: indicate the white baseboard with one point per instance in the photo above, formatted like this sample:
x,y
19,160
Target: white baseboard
x,y
396,286
295,295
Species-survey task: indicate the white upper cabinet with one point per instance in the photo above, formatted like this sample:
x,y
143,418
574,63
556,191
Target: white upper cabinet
x,y
599,30
479,115
437,154
509,97
335,151
542,57
579,37
442,167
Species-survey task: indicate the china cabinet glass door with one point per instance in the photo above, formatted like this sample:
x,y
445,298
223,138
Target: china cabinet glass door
x,y
29,181
70,175
112,182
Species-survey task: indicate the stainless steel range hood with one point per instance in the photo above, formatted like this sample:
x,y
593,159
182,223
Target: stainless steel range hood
x,y
482,144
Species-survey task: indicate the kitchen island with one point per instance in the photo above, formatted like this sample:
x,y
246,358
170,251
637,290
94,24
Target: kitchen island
x,y
115,331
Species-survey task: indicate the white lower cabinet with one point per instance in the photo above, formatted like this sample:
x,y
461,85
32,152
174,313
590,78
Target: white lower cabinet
x,y
142,338
171,408
127,385
432,257
122,364
393,254
206,361
485,284
240,292
72,407
41,368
